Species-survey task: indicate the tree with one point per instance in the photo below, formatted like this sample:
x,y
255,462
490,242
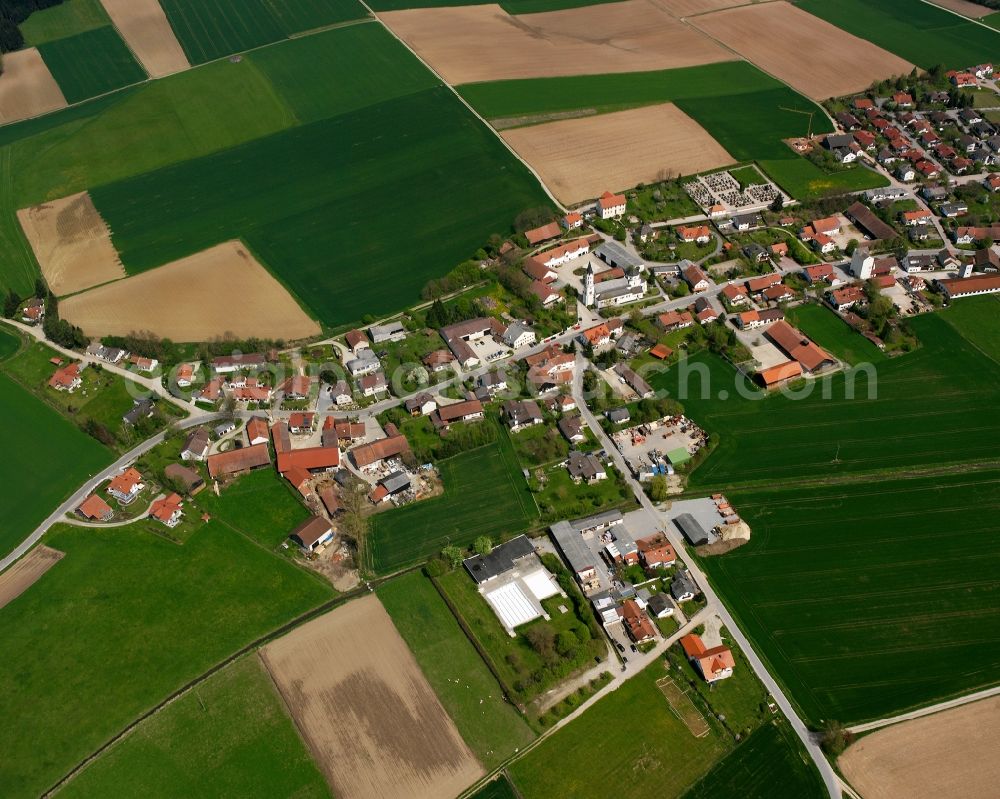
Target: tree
x,y
11,304
658,488
354,522
542,639
778,203
835,738
454,555
532,218
566,642
483,545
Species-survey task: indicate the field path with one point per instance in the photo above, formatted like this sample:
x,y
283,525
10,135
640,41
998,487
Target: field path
x,y
926,711
472,110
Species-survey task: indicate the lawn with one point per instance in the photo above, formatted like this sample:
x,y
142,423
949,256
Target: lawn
x,y
772,756
231,736
924,409
261,505
921,33
91,63
803,180
67,19
823,326
561,498
490,725
61,458
628,745
316,190
869,599
120,622
484,494
525,673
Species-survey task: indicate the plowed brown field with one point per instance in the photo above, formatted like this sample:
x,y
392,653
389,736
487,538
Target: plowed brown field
x,y
685,8
27,88
811,55
374,725
222,291
581,158
478,43
144,26
26,572
965,8
72,243
952,753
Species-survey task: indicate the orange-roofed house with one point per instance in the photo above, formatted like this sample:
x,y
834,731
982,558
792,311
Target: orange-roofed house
x,y
696,278
95,509
714,664
309,459
912,218
597,336
637,624
571,221
749,320
301,422
167,510
185,374
779,249
257,430
126,486
734,294
656,552
67,378
610,206
700,234
674,320
755,285
774,375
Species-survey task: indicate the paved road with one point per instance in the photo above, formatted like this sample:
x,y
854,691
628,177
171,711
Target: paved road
x,y
713,601
74,501
926,711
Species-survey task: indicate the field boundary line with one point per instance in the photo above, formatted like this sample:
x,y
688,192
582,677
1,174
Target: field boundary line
x,y
471,110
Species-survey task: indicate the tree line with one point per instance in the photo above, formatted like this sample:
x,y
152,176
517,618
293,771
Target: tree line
x,y
12,14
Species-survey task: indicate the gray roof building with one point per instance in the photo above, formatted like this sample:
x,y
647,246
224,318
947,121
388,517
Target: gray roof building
x,y
574,549
682,586
500,560
692,530
614,254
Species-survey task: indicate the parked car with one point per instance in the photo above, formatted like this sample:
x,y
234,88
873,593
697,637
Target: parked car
x,y
621,647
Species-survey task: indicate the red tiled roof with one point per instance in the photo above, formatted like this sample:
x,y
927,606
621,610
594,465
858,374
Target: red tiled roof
x,y
309,458
367,454
126,481
237,460
540,234
783,371
93,507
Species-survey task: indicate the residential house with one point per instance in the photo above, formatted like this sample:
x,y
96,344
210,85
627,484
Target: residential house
x,y
701,234
585,468
734,294
572,428
301,422
143,364
227,364
820,273
141,409
637,624
125,487
309,459
674,320
518,335
713,664
365,364
748,320
95,509
464,411
682,586
610,206
420,405
550,369
571,221
67,378
372,385
521,414
847,297
196,445
660,606
438,361
167,510
340,393
656,551
618,415
357,341
696,278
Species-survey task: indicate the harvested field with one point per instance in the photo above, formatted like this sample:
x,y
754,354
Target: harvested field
x,y
181,301
26,572
686,8
27,88
144,26
72,243
965,8
366,711
580,158
479,43
801,49
952,753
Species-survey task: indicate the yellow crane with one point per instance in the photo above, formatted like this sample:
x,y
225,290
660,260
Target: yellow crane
x,y
810,114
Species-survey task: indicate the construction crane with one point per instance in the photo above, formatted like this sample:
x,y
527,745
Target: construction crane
x,y
811,114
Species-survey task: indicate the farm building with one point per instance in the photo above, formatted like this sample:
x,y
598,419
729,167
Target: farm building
x,y
238,461
312,533
513,582
188,478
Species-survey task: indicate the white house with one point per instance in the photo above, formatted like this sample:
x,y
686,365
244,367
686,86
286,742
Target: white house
x,y
518,335
610,206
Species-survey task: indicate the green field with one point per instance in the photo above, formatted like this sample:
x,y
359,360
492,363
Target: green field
x,y
976,319
870,598
500,788
484,494
49,457
490,725
823,326
746,111
66,19
769,758
919,32
308,198
993,20
231,736
627,745
210,29
91,63
927,408
261,505
120,622
510,6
